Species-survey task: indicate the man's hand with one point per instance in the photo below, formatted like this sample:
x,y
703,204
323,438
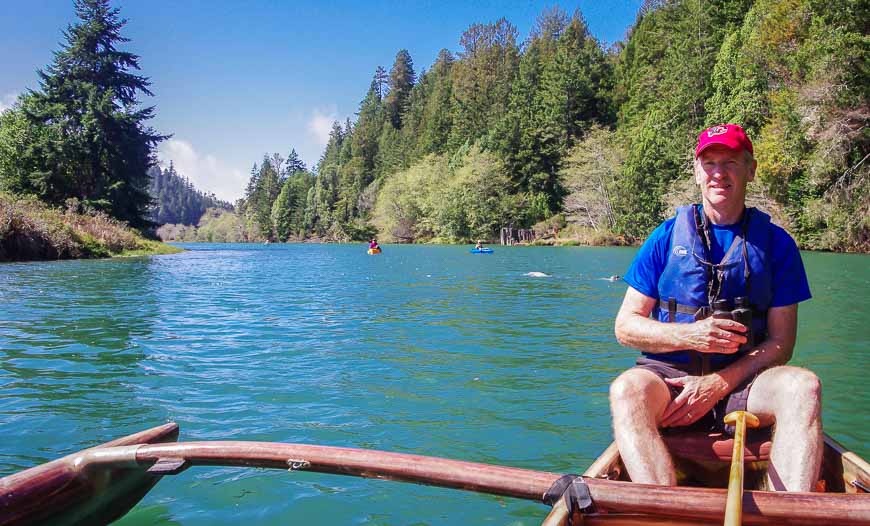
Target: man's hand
x,y
713,335
699,395
634,328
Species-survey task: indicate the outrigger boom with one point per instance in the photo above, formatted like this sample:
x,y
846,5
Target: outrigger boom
x,y
101,484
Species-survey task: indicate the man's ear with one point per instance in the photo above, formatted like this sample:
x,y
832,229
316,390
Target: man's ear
x,y
752,169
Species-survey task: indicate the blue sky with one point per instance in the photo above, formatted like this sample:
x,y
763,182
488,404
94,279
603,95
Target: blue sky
x,y
234,80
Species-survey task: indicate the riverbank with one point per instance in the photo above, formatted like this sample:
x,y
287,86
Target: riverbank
x,y
223,226
30,230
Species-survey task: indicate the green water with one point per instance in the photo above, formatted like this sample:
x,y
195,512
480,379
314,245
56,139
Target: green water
x,y
423,349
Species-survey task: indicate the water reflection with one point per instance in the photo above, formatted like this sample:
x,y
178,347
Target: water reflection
x,y
70,353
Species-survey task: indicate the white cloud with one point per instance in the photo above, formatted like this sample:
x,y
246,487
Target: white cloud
x,y
320,124
6,101
206,172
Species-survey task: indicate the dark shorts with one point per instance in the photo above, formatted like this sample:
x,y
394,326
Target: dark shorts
x,y
714,420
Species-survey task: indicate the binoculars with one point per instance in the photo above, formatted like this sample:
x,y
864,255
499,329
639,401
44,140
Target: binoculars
x,y
741,313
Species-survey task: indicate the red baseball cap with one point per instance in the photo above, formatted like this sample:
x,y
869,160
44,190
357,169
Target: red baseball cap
x,y
728,135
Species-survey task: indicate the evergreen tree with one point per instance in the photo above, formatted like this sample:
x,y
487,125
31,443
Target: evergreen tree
x,y
482,78
437,114
549,25
281,211
293,164
368,127
390,156
519,136
268,187
380,82
332,153
401,81
575,83
92,142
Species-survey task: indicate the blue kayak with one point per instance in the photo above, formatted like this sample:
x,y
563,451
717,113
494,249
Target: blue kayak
x,y
481,251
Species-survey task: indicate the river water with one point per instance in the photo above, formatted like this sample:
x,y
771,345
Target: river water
x,y
423,349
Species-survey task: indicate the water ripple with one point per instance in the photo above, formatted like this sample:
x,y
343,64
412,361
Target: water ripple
x,y
423,349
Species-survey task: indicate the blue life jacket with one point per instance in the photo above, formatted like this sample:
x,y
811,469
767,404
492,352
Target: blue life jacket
x,y
683,285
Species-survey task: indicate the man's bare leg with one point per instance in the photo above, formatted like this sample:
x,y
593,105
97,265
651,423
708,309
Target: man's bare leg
x,y
638,399
790,397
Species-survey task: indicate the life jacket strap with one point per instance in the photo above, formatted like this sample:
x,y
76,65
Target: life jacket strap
x,y
672,307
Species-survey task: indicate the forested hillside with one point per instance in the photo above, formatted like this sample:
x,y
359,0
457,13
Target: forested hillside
x,y
556,132
175,200
559,129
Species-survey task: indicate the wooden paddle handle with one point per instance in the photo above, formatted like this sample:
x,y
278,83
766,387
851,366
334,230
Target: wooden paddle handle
x,y
734,504
558,515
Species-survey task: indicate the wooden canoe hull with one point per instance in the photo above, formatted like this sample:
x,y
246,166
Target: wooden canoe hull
x,y
63,493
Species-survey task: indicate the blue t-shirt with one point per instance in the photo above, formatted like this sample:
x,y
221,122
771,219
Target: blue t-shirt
x,y
789,278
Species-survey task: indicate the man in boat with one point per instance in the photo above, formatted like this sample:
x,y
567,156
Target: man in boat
x,y
373,244
695,367
479,245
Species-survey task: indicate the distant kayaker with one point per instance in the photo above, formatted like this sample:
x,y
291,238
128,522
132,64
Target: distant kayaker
x,y
373,244
614,277
697,367
479,245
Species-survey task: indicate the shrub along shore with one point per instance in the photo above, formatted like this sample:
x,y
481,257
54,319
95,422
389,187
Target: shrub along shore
x,y
30,230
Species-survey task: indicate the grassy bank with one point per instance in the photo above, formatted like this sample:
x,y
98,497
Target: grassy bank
x,y
30,230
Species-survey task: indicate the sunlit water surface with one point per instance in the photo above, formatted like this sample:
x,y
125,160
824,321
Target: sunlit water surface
x,y
423,349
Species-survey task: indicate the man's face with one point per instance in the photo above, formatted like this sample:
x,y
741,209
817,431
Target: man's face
x,y
722,174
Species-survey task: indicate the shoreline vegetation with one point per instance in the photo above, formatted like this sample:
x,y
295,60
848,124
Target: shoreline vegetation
x,y
30,230
558,133
225,226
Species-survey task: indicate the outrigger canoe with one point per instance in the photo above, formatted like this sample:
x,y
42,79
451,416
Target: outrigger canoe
x,y
101,484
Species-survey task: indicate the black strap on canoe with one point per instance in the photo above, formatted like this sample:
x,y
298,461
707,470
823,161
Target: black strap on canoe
x,y
576,493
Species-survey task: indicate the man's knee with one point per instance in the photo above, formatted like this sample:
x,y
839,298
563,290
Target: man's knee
x,y
801,385
636,387
786,392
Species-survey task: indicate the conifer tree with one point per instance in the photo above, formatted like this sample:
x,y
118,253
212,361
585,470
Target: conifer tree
x,y
402,79
293,164
482,78
95,145
437,120
368,126
281,212
268,187
381,82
